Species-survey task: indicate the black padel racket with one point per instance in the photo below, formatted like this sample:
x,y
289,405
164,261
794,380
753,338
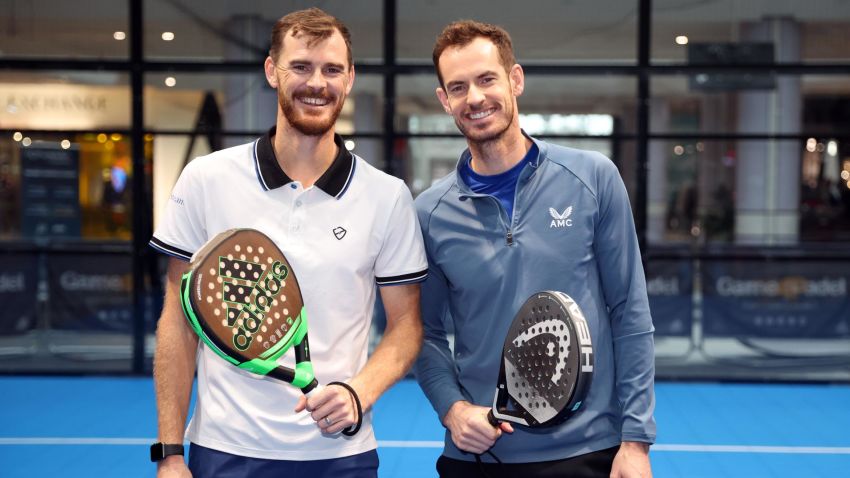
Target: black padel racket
x,y
241,297
547,363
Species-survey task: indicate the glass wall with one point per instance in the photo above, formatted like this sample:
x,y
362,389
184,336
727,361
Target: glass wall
x,y
728,121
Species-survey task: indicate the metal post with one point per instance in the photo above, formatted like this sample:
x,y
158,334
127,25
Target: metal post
x,y
641,177
390,161
141,198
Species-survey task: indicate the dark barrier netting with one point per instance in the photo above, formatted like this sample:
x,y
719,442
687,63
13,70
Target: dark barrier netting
x,y
670,285
800,300
18,293
90,292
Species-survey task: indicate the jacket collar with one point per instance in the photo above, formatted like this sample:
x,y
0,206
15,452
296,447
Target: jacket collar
x,y
334,181
466,156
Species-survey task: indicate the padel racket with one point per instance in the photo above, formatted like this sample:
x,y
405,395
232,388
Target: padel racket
x,y
547,363
241,297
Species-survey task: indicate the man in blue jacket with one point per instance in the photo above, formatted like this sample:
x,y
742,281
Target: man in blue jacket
x,y
519,216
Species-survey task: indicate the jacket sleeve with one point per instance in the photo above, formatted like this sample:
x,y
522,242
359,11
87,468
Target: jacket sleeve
x,y
624,288
435,368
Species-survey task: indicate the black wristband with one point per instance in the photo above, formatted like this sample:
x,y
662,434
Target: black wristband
x,y
353,429
161,450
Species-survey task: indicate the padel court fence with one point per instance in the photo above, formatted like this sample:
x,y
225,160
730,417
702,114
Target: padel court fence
x,y
719,312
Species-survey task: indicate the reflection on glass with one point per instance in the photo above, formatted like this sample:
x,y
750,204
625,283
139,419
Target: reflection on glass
x,y
738,104
811,31
67,187
742,192
575,31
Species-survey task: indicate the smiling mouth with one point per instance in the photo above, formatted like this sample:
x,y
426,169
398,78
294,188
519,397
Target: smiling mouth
x,y
481,114
314,101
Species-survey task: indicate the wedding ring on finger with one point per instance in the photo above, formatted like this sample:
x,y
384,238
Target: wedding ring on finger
x,y
328,421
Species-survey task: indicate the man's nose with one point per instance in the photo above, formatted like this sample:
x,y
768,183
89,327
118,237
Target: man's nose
x,y
317,80
474,96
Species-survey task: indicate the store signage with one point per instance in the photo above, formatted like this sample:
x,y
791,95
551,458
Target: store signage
x,y
50,197
63,106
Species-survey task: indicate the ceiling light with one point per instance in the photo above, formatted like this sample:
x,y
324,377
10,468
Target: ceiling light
x,y
811,144
349,145
168,36
832,148
26,141
119,35
681,40
170,81
65,144
17,136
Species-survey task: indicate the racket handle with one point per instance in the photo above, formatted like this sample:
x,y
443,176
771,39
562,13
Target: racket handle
x,y
492,419
312,388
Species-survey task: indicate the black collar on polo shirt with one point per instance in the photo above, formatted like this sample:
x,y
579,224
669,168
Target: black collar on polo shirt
x,y
334,181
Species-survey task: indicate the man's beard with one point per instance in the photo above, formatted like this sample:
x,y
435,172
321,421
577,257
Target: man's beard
x,y
305,124
483,137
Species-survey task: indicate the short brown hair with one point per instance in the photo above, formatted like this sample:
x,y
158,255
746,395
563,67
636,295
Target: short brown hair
x,y
315,23
463,32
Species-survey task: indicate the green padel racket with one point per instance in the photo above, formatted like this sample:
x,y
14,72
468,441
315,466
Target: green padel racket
x,y
241,297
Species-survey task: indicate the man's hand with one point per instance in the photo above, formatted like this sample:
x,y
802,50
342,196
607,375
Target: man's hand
x,y
173,467
470,429
332,408
632,461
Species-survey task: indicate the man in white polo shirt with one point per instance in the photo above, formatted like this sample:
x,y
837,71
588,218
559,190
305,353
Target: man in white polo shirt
x,y
345,228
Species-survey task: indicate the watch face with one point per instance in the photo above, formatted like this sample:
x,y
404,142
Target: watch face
x,y
162,450
156,452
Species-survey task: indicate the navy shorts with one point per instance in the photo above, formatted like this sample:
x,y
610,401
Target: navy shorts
x,y
208,463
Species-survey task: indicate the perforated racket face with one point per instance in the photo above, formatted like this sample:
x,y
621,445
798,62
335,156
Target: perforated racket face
x,y
244,294
547,362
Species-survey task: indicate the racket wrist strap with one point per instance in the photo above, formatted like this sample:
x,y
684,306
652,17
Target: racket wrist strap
x,y
353,429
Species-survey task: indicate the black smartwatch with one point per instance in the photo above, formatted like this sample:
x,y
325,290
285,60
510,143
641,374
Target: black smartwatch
x,y
162,450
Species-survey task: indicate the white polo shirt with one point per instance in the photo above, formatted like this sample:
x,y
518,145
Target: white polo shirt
x,y
355,228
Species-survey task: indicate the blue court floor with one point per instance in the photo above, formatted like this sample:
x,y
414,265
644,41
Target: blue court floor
x,y
101,427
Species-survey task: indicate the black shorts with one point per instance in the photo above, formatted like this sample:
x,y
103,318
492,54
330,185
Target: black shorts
x,y
591,465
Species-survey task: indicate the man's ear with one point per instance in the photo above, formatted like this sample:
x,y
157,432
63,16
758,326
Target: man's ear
x,y
517,77
271,73
444,99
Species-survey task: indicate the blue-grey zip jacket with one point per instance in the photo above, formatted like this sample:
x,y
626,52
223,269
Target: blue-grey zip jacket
x,y
572,230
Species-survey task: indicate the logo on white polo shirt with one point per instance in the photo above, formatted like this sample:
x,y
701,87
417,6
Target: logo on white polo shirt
x,y
339,233
561,219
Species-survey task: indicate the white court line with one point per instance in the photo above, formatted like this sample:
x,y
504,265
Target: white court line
x,y
794,450
799,450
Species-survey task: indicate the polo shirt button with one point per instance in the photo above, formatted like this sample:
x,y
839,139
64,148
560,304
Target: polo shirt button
x,y
293,186
298,203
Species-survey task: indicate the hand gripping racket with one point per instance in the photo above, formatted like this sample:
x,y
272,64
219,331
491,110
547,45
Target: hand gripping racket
x,y
547,363
241,297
